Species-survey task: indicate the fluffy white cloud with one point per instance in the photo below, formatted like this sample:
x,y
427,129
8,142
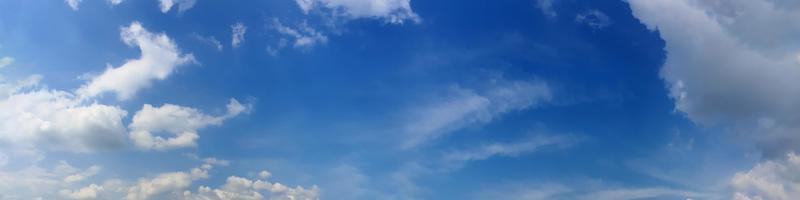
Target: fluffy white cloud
x,y
31,117
6,61
463,107
159,58
183,5
771,179
114,2
182,122
304,36
393,11
238,188
88,192
728,63
237,34
170,184
34,181
73,3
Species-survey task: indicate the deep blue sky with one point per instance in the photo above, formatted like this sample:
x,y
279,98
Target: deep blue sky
x,y
343,113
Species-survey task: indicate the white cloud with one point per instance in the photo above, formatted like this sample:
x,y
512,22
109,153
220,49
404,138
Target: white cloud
x,y
32,117
594,19
546,7
182,122
237,34
78,177
183,5
208,40
73,3
509,149
728,63
114,2
33,181
88,192
393,11
771,179
586,192
303,35
244,189
160,57
172,183
6,61
463,107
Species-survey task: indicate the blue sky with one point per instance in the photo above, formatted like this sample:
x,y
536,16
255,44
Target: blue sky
x,y
399,99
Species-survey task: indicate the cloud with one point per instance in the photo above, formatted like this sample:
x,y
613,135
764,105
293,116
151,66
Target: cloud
x,y
392,11
243,188
728,64
114,2
462,107
160,57
33,181
31,117
771,179
6,61
73,3
237,35
211,40
304,36
78,177
537,191
546,7
594,19
182,122
88,192
183,5
509,149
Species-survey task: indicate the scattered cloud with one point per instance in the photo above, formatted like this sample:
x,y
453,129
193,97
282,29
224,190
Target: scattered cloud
x,y
74,4
243,188
546,7
85,193
181,122
771,179
210,40
517,148
303,35
594,19
584,191
183,5
159,58
6,61
392,11
114,2
462,107
237,35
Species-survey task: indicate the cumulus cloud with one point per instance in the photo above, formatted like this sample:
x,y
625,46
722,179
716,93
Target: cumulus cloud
x,y
728,63
183,5
393,11
237,34
31,116
771,179
303,35
85,193
462,107
181,122
73,3
91,171
170,184
114,2
6,61
243,188
159,58
34,181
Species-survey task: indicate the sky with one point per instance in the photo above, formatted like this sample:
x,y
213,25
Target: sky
x,y
400,99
